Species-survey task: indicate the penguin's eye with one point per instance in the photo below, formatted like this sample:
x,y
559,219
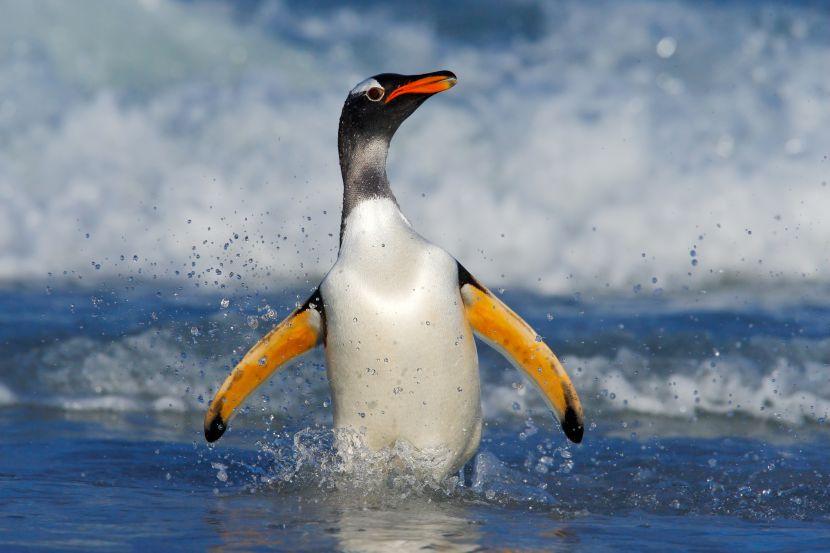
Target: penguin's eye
x,y
375,93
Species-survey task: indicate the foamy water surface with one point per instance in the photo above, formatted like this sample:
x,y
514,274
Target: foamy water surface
x,y
682,143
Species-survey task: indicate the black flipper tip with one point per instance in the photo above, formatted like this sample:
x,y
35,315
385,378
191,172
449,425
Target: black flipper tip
x,y
572,425
215,428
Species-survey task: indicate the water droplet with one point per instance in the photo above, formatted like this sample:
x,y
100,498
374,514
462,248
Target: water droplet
x,y
221,471
224,303
666,47
794,146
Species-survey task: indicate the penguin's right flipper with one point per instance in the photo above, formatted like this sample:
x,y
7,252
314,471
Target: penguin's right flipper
x,y
299,332
509,334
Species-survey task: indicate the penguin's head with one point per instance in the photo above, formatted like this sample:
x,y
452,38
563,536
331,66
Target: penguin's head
x,y
377,106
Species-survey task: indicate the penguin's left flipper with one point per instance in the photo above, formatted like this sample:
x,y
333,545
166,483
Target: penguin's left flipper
x,y
295,335
501,328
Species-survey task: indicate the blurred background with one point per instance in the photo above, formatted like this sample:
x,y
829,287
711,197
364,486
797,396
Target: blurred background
x,y
588,146
646,182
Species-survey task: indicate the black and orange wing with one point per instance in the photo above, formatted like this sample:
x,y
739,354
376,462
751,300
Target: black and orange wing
x,y
296,334
501,328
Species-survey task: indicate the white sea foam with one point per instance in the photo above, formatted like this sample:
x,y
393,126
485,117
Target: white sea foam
x,y
575,156
777,383
162,371
6,396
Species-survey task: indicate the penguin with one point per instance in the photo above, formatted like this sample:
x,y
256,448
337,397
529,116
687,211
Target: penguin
x,y
396,314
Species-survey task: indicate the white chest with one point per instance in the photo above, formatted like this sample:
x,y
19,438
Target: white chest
x,y
401,357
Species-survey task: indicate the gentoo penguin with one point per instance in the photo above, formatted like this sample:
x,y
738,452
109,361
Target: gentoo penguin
x,y
396,314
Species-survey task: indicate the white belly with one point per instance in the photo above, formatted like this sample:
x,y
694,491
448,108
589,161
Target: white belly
x,y
401,358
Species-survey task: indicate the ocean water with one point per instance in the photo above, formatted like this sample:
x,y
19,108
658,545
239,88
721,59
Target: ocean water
x,y
645,182
706,430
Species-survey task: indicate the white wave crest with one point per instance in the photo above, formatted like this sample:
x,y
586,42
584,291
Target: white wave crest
x,y
168,371
781,386
570,159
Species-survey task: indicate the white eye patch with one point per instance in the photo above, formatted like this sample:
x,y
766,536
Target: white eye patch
x,y
365,85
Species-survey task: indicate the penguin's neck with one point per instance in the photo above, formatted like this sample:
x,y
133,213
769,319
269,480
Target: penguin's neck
x,y
363,165
375,227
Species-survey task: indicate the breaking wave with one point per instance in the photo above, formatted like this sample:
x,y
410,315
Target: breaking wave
x,y
169,370
685,143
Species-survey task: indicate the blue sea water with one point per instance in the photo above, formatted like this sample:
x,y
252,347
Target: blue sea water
x,y
102,445
645,182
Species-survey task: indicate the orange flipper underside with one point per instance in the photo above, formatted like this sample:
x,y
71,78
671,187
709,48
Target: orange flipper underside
x,y
295,335
499,326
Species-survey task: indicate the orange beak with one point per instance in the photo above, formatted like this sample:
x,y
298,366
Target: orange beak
x,y
426,85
